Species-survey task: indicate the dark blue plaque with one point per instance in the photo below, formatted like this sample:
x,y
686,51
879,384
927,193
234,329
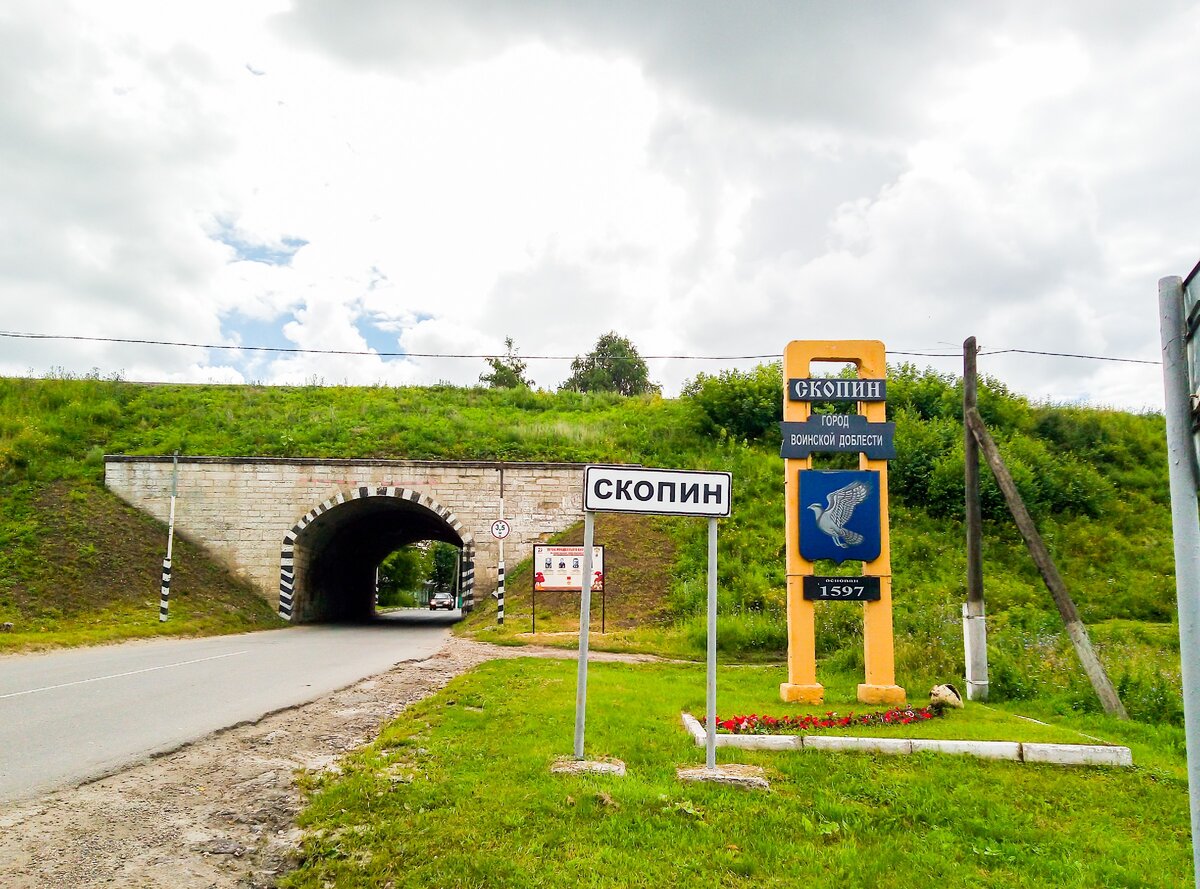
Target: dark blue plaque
x,y
840,515
836,389
838,433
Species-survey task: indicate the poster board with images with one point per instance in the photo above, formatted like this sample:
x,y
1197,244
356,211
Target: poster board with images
x,y
560,568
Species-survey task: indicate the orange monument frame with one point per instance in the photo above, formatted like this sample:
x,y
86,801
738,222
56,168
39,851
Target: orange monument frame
x,y
870,357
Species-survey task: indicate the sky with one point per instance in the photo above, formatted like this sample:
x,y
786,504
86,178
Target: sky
x,y
709,179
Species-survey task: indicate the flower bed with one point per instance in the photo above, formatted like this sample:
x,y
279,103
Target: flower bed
x,y
754,724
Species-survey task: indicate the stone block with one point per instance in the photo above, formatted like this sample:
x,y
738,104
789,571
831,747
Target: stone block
x,y
1010,750
858,745
1077,754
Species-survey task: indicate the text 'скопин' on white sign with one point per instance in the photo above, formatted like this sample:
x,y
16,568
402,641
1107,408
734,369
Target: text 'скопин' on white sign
x,y
659,491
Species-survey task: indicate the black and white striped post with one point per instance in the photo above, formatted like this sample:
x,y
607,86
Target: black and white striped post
x,y
500,529
500,592
165,595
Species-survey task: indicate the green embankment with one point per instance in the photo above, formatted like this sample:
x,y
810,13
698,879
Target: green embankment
x,y
1095,481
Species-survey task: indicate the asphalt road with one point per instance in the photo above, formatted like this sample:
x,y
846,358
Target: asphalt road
x,y
67,716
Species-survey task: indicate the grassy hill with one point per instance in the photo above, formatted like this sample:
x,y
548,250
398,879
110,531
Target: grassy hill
x,y
1095,481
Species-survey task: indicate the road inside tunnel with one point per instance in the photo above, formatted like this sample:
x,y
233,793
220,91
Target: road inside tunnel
x,y
337,552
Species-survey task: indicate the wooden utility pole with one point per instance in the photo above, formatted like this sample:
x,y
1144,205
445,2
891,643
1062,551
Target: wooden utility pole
x,y
1041,557
974,622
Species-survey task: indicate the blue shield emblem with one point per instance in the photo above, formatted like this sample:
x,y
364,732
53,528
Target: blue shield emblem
x,y
839,515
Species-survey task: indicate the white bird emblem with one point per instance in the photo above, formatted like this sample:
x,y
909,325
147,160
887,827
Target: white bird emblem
x,y
838,509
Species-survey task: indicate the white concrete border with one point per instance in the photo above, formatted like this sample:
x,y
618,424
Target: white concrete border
x,y
1014,751
1077,754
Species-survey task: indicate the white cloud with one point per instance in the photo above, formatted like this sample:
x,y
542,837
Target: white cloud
x,y
703,179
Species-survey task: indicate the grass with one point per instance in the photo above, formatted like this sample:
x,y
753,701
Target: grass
x,y
457,792
1095,482
92,571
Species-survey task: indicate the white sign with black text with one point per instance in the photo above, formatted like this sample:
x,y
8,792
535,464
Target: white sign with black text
x,y
657,491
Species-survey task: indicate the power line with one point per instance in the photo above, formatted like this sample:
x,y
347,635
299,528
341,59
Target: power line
x,y
378,354
295,350
1070,355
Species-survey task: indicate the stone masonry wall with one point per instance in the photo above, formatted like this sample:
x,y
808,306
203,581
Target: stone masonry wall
x,y
241,508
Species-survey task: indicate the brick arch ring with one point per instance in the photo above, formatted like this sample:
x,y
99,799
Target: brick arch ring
x,y
287,555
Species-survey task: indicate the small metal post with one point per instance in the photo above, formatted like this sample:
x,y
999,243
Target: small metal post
x,y
165,592
710,724
585,610
500,569
457,582
1186,526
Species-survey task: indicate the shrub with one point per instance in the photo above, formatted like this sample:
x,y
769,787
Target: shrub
x,y
739,404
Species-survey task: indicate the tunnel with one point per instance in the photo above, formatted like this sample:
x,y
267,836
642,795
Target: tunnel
x,y
328,559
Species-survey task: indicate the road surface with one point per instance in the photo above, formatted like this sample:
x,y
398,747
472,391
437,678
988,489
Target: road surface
x,y
68,716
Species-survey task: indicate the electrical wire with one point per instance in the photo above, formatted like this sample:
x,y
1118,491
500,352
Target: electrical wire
x,y
302,351
1069,355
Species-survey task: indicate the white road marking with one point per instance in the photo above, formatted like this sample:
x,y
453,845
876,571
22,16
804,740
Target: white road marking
x,y
32,691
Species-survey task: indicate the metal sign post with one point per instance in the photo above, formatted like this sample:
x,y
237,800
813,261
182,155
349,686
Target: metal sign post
x,y
710,698
500,530
1178,311
655,492
585,614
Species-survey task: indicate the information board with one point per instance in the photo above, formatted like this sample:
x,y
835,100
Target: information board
x,y
560,568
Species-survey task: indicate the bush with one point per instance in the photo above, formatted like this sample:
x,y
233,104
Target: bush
x,y
394,598
739,404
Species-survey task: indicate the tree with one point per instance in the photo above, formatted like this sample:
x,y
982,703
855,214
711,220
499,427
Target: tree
x,y
400,574
445,559
613,366
508,371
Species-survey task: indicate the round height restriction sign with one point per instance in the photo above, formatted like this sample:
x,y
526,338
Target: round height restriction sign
x,y
500,529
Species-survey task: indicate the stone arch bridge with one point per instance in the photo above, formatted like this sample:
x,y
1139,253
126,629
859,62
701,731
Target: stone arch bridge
x,y
309,533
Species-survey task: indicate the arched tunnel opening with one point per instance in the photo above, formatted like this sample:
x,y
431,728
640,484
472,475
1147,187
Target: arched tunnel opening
x,y
335,554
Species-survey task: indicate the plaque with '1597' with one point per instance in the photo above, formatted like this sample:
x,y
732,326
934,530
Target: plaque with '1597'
x,y
841,589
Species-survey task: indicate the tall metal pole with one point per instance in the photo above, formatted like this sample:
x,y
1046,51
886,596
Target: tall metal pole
x,y
974,622
1181,457
585,614
710,724
165,592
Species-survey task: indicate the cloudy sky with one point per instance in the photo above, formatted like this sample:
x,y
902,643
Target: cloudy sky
x,y
707,178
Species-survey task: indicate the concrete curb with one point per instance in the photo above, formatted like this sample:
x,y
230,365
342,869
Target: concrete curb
x,y
1013,751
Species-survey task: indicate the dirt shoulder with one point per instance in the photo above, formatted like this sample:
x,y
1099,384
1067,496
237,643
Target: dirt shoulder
x,y
219,812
